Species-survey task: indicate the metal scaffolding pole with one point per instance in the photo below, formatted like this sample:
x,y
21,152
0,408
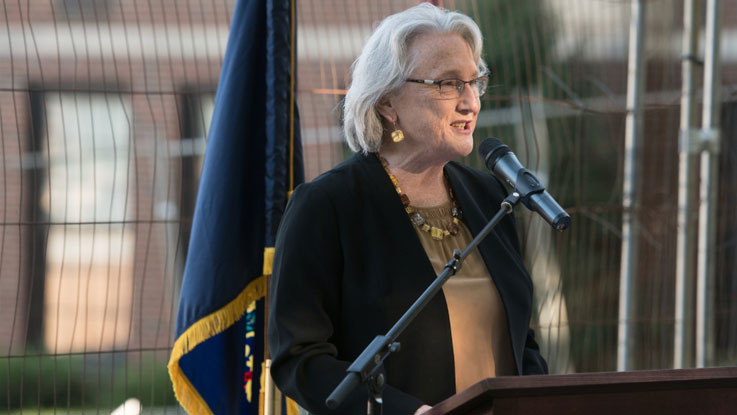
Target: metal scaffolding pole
x,y
709,186
688,146
631,182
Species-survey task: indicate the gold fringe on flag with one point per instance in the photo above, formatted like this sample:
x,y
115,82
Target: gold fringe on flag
x,y
207,327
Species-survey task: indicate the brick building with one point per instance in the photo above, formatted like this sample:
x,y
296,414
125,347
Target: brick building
x,y
105,107
104,110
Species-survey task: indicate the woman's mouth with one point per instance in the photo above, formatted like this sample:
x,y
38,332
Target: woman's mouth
x,y
461,125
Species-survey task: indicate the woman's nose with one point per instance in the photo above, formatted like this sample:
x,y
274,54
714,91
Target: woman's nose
x,y
469,100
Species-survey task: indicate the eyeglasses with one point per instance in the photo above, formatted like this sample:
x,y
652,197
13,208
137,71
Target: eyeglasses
x,y
453,88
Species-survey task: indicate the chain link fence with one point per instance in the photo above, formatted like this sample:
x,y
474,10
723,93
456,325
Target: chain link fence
x,y
104,112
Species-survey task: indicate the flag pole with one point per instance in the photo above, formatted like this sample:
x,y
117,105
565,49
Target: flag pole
x,y
269,387
268,381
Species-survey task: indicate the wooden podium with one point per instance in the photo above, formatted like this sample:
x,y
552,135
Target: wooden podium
x,y
687,391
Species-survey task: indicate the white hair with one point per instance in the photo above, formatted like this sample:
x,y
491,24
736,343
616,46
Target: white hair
x,y
384,64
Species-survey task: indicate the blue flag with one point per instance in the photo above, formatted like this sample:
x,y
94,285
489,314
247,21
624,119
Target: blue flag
x,y
253,161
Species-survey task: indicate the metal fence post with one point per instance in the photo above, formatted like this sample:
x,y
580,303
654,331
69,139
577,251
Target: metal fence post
x,y
631,182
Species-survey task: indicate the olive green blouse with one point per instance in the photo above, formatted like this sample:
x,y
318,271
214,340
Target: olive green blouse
x,y
478,324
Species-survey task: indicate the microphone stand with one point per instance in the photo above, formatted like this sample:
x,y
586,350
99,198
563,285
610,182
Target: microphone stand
x,y
368,367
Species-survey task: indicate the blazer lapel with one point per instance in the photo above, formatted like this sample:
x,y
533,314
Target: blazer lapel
x,y
398,221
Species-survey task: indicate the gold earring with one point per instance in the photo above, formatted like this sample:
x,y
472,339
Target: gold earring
x,y
397,134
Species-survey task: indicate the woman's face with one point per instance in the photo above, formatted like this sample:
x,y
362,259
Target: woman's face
x,y
441,128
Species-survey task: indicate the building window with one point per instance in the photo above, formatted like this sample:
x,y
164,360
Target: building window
x,y
86,194
87,10
196,111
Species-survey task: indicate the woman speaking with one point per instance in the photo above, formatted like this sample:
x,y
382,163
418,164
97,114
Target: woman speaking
x,y
361,242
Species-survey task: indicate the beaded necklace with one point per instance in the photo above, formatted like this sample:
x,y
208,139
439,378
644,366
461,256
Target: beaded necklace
x,y
416,217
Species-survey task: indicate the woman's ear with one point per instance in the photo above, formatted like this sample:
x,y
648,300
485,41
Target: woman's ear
x,y
386,110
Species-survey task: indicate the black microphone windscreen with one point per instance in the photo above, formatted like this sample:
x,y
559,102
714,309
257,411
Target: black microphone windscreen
x,y
488,145
490,150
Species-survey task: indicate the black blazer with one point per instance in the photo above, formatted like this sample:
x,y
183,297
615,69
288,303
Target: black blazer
x,y
348,264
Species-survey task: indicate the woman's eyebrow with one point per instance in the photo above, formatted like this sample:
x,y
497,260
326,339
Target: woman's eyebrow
x,y
455,74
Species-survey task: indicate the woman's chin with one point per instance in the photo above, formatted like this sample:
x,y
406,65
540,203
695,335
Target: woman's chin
x,y
465,147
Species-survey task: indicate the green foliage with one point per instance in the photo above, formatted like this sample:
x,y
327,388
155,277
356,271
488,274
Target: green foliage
x,y
32,381
518,38
100,382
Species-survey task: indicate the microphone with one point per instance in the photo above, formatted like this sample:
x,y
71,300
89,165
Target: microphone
x,y
505,165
